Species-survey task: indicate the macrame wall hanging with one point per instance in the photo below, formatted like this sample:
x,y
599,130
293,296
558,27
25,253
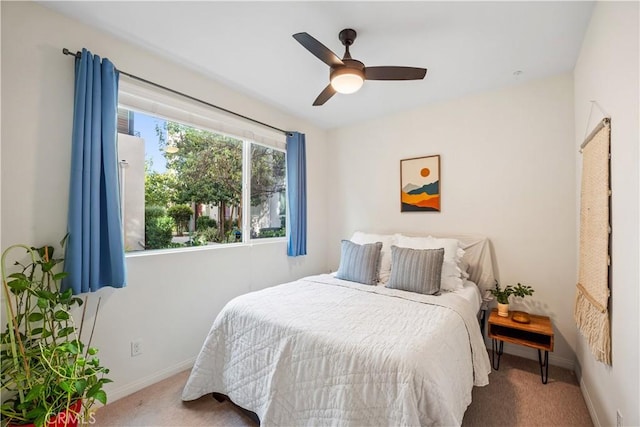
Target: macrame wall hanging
x,y
592,295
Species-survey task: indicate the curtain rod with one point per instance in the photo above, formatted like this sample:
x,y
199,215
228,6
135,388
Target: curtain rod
x,y
78,55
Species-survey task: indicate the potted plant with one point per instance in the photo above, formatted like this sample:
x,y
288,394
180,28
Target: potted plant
x,y
49,376
502,296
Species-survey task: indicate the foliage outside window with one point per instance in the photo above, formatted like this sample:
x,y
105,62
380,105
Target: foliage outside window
x,y
193,187
268,178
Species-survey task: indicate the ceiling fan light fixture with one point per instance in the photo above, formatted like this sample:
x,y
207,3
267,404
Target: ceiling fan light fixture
x,y
347,75
347,80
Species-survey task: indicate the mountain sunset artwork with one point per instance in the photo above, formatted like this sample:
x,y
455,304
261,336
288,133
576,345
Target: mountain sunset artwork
x,y
420,184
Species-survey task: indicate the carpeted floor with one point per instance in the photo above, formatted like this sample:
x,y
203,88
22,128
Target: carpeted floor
x,y
514,397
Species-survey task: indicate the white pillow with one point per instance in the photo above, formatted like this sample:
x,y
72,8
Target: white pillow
x,y
464,266
452,247
385,261
451,279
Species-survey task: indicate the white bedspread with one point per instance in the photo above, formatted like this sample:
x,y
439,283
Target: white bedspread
x,y
322,351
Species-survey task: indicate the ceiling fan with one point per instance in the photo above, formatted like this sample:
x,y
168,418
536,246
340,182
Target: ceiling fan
x,y
347,74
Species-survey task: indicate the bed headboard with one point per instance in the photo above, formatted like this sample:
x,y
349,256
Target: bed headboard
x,y
478,253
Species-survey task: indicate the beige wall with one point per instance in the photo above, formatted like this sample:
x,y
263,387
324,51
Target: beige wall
x,y
508,172
172,298
607,71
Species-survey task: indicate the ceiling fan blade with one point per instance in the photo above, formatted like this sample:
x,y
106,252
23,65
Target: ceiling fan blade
x,y
318,49
394,73
324,96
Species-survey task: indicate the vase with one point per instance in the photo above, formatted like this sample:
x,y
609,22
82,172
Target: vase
x,y
67,418
503,310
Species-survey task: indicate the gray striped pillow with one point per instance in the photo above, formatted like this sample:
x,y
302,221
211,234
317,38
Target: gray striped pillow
x,y
360,263
416,270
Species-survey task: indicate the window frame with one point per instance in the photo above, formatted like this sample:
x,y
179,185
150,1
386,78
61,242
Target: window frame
x,y
144,99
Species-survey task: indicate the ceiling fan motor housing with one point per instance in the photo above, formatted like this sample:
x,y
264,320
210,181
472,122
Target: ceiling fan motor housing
x,y
351,66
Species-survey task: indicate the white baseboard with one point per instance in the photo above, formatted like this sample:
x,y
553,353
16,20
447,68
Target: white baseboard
x,y
532,354
138,385
589,402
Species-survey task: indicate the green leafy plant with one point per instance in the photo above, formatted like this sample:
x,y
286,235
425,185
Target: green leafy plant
x,y
502,295
207,235
204,222
272,232
158,228
46,367
153,212
181,214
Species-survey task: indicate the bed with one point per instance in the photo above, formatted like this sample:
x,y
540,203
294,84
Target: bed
x,y
326,351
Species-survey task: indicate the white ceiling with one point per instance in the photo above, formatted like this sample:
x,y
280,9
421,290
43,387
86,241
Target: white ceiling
x,y
467,47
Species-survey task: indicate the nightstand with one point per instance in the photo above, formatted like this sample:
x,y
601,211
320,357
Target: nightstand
x,y
536,334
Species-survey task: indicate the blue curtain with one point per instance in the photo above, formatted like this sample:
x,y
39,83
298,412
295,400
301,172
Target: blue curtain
x,y
297,194
95,251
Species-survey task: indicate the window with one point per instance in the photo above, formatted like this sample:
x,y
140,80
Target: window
x,y
268,195
186,185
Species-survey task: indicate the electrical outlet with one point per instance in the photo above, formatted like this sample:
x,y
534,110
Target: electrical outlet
x,y
136,347
618,418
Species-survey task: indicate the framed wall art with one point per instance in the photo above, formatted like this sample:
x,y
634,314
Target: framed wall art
x,y
420,184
